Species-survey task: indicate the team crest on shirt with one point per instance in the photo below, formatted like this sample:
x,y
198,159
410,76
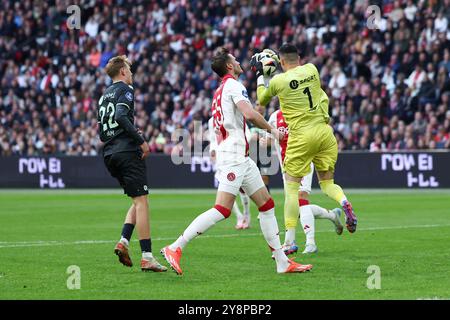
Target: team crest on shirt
x,y
231,176
129,96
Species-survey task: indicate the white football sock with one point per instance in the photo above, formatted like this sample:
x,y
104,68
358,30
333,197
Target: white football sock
x,y
321,213
307,222
238,212
124,241
289,237
147,255
269,228
200,225
245,200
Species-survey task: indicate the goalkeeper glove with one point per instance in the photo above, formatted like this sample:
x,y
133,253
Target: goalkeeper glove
x,y
256,64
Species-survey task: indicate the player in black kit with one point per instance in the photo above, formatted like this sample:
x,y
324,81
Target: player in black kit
x,y
124,152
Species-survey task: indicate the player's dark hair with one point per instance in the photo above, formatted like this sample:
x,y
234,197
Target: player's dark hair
x,y
115,64
289,52
219,61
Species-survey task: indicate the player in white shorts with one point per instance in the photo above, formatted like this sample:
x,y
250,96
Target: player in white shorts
x,y
230,108
309,212
242,219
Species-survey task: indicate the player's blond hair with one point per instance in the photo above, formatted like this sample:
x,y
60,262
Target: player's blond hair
x,y
115,64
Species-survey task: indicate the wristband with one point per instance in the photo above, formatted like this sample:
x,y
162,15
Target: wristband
x,y
260,81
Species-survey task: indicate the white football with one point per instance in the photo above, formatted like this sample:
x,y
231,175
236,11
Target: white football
x,y
269,65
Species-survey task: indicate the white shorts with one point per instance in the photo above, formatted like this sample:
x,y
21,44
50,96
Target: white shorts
x,y
245,175
306,182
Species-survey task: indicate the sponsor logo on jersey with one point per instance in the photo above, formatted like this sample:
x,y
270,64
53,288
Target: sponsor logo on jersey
x,y
284,130
293,84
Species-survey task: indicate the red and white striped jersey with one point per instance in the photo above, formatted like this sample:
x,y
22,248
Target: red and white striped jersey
x,y
212,137
277,120
229,122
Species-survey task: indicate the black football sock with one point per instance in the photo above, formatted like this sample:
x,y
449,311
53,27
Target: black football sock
x,y
127,231
146,245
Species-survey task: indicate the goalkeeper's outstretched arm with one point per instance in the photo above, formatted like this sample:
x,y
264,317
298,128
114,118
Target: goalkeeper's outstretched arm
x,y
263,93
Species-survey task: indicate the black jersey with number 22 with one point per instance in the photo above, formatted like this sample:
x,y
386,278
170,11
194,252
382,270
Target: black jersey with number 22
x,y
118,100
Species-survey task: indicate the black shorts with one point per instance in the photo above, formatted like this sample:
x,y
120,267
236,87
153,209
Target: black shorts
x,y
130,171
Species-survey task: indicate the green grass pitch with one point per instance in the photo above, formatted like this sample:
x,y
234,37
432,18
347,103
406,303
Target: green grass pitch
x,y
406,234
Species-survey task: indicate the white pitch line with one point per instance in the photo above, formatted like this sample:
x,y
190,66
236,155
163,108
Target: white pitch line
x,y
5,244
315,191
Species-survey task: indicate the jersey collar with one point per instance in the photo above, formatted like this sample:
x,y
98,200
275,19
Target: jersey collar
x,y
228,76
129,85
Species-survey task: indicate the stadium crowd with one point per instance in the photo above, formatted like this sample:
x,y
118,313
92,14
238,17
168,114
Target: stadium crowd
x,y
388,84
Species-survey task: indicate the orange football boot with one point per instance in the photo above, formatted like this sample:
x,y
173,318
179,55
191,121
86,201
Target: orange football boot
x,y
173,258
122,252
152,265
295,267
